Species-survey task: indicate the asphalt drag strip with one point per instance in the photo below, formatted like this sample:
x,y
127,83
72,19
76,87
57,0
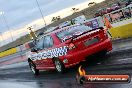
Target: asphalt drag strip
x,y
118,61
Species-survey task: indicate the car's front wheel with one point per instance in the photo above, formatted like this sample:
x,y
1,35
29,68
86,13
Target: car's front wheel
x,y
33,68
59,66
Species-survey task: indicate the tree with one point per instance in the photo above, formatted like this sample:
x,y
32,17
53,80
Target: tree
x,y
55,19
91,4
75,10
58,18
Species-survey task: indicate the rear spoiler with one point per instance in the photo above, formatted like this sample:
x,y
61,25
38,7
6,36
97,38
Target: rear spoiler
x,y
98,28
84,33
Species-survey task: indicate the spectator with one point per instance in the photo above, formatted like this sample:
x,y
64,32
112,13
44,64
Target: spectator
x,y
121,15
72,21
128,2
127,13
118,3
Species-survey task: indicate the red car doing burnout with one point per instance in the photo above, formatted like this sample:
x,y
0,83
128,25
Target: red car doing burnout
x,y
67,47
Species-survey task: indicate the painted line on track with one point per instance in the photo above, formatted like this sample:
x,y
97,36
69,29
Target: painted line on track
x,y
126,59
15,60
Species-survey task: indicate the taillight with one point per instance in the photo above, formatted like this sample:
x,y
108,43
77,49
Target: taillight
x,y
106,33
71,46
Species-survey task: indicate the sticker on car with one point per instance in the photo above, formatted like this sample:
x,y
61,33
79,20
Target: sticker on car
x,y
50,53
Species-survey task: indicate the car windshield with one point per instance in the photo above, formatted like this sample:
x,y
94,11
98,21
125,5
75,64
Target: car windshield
x,y
70,32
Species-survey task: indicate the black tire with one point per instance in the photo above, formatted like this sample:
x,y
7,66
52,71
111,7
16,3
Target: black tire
x,y
102,53
60,68
33,68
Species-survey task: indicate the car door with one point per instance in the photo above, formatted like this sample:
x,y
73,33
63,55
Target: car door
x,y
39,46
47,45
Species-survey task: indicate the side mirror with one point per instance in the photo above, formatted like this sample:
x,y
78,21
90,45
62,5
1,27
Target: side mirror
x,y
33,50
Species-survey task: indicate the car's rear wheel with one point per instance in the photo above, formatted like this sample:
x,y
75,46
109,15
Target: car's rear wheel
x,y
102,53
59,66
33,68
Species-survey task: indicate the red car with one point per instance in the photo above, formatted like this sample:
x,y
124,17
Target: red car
x,y
67,47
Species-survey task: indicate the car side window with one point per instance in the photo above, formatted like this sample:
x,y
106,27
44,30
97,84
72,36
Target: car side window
x,y
39,44
48,42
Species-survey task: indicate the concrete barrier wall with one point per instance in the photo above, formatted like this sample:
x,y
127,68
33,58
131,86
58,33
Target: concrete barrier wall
x,y
14,50
123,31
8,52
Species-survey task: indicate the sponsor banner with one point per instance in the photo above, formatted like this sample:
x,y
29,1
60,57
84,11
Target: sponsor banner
x,y
94,23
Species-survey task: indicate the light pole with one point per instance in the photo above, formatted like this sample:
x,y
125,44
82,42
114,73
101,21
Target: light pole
x,y
41,12
6,24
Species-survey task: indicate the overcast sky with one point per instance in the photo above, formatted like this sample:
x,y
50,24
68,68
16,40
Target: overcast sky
x,y
21,12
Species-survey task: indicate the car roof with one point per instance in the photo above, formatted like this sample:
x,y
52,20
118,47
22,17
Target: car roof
x,y
62,29
56,31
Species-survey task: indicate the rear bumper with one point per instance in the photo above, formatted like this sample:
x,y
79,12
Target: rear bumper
x,y
79,56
